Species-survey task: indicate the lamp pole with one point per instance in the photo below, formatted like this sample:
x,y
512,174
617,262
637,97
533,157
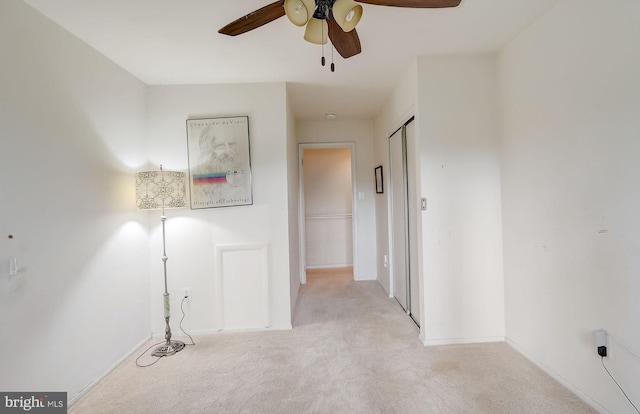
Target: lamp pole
x,y
170,347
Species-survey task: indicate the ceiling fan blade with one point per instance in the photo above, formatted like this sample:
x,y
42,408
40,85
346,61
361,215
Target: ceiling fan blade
x,y
254,19
346,43
418,4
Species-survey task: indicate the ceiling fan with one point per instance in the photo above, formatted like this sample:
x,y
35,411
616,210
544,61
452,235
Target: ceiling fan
x,y
332,19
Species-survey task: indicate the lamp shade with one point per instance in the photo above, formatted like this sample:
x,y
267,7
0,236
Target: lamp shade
x,y
347,14
317,31
160,189
299,11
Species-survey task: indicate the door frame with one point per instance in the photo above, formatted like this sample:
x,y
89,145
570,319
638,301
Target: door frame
x,y
301,215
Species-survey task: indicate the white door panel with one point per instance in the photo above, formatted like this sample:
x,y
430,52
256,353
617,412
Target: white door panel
x,y
399,219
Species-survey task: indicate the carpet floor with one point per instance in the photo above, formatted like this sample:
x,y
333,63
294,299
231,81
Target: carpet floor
x,y
352,350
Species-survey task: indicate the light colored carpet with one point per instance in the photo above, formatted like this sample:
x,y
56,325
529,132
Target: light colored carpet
x,y
352,350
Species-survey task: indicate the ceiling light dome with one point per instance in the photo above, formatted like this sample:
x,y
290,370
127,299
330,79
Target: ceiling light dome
x,y
347,14
299,11
317,31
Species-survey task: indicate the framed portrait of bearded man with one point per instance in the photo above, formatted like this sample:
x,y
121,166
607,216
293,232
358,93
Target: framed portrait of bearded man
x,y
219,162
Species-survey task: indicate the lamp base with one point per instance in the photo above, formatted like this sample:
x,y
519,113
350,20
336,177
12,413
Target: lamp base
x,y
168,349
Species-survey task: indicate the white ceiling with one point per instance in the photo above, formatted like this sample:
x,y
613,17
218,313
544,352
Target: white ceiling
x,y
176,42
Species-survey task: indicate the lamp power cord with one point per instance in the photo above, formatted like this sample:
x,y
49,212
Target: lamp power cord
x,y
182,319
616,382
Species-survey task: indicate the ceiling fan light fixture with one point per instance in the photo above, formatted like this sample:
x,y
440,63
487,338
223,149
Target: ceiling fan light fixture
x,y
299,11
347,13
317,31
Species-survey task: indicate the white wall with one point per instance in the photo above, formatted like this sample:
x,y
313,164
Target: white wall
x,y
328,203
193,234
72,133
361,133
570,174
461,230
454,100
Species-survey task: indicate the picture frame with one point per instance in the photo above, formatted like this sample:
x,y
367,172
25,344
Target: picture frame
x,y
379,180
219,162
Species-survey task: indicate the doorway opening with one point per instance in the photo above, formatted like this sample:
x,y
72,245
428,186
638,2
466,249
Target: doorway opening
x,y
327,208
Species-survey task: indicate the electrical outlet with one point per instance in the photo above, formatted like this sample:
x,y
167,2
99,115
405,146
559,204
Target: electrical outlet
x,y
600,340
186,292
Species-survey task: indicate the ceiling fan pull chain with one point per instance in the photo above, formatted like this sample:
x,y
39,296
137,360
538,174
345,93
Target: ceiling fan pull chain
x,y
333,67
322,43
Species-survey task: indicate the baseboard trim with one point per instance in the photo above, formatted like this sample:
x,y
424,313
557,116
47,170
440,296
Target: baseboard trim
x,y
95,382
180,336
329,267
461,341
580,394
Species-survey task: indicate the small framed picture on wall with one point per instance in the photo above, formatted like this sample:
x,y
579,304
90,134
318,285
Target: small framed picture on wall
x,y
379,180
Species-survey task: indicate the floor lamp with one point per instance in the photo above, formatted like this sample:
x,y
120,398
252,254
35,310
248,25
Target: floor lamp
x,y
160,190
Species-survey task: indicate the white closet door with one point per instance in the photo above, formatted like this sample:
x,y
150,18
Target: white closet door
x,y
399,240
